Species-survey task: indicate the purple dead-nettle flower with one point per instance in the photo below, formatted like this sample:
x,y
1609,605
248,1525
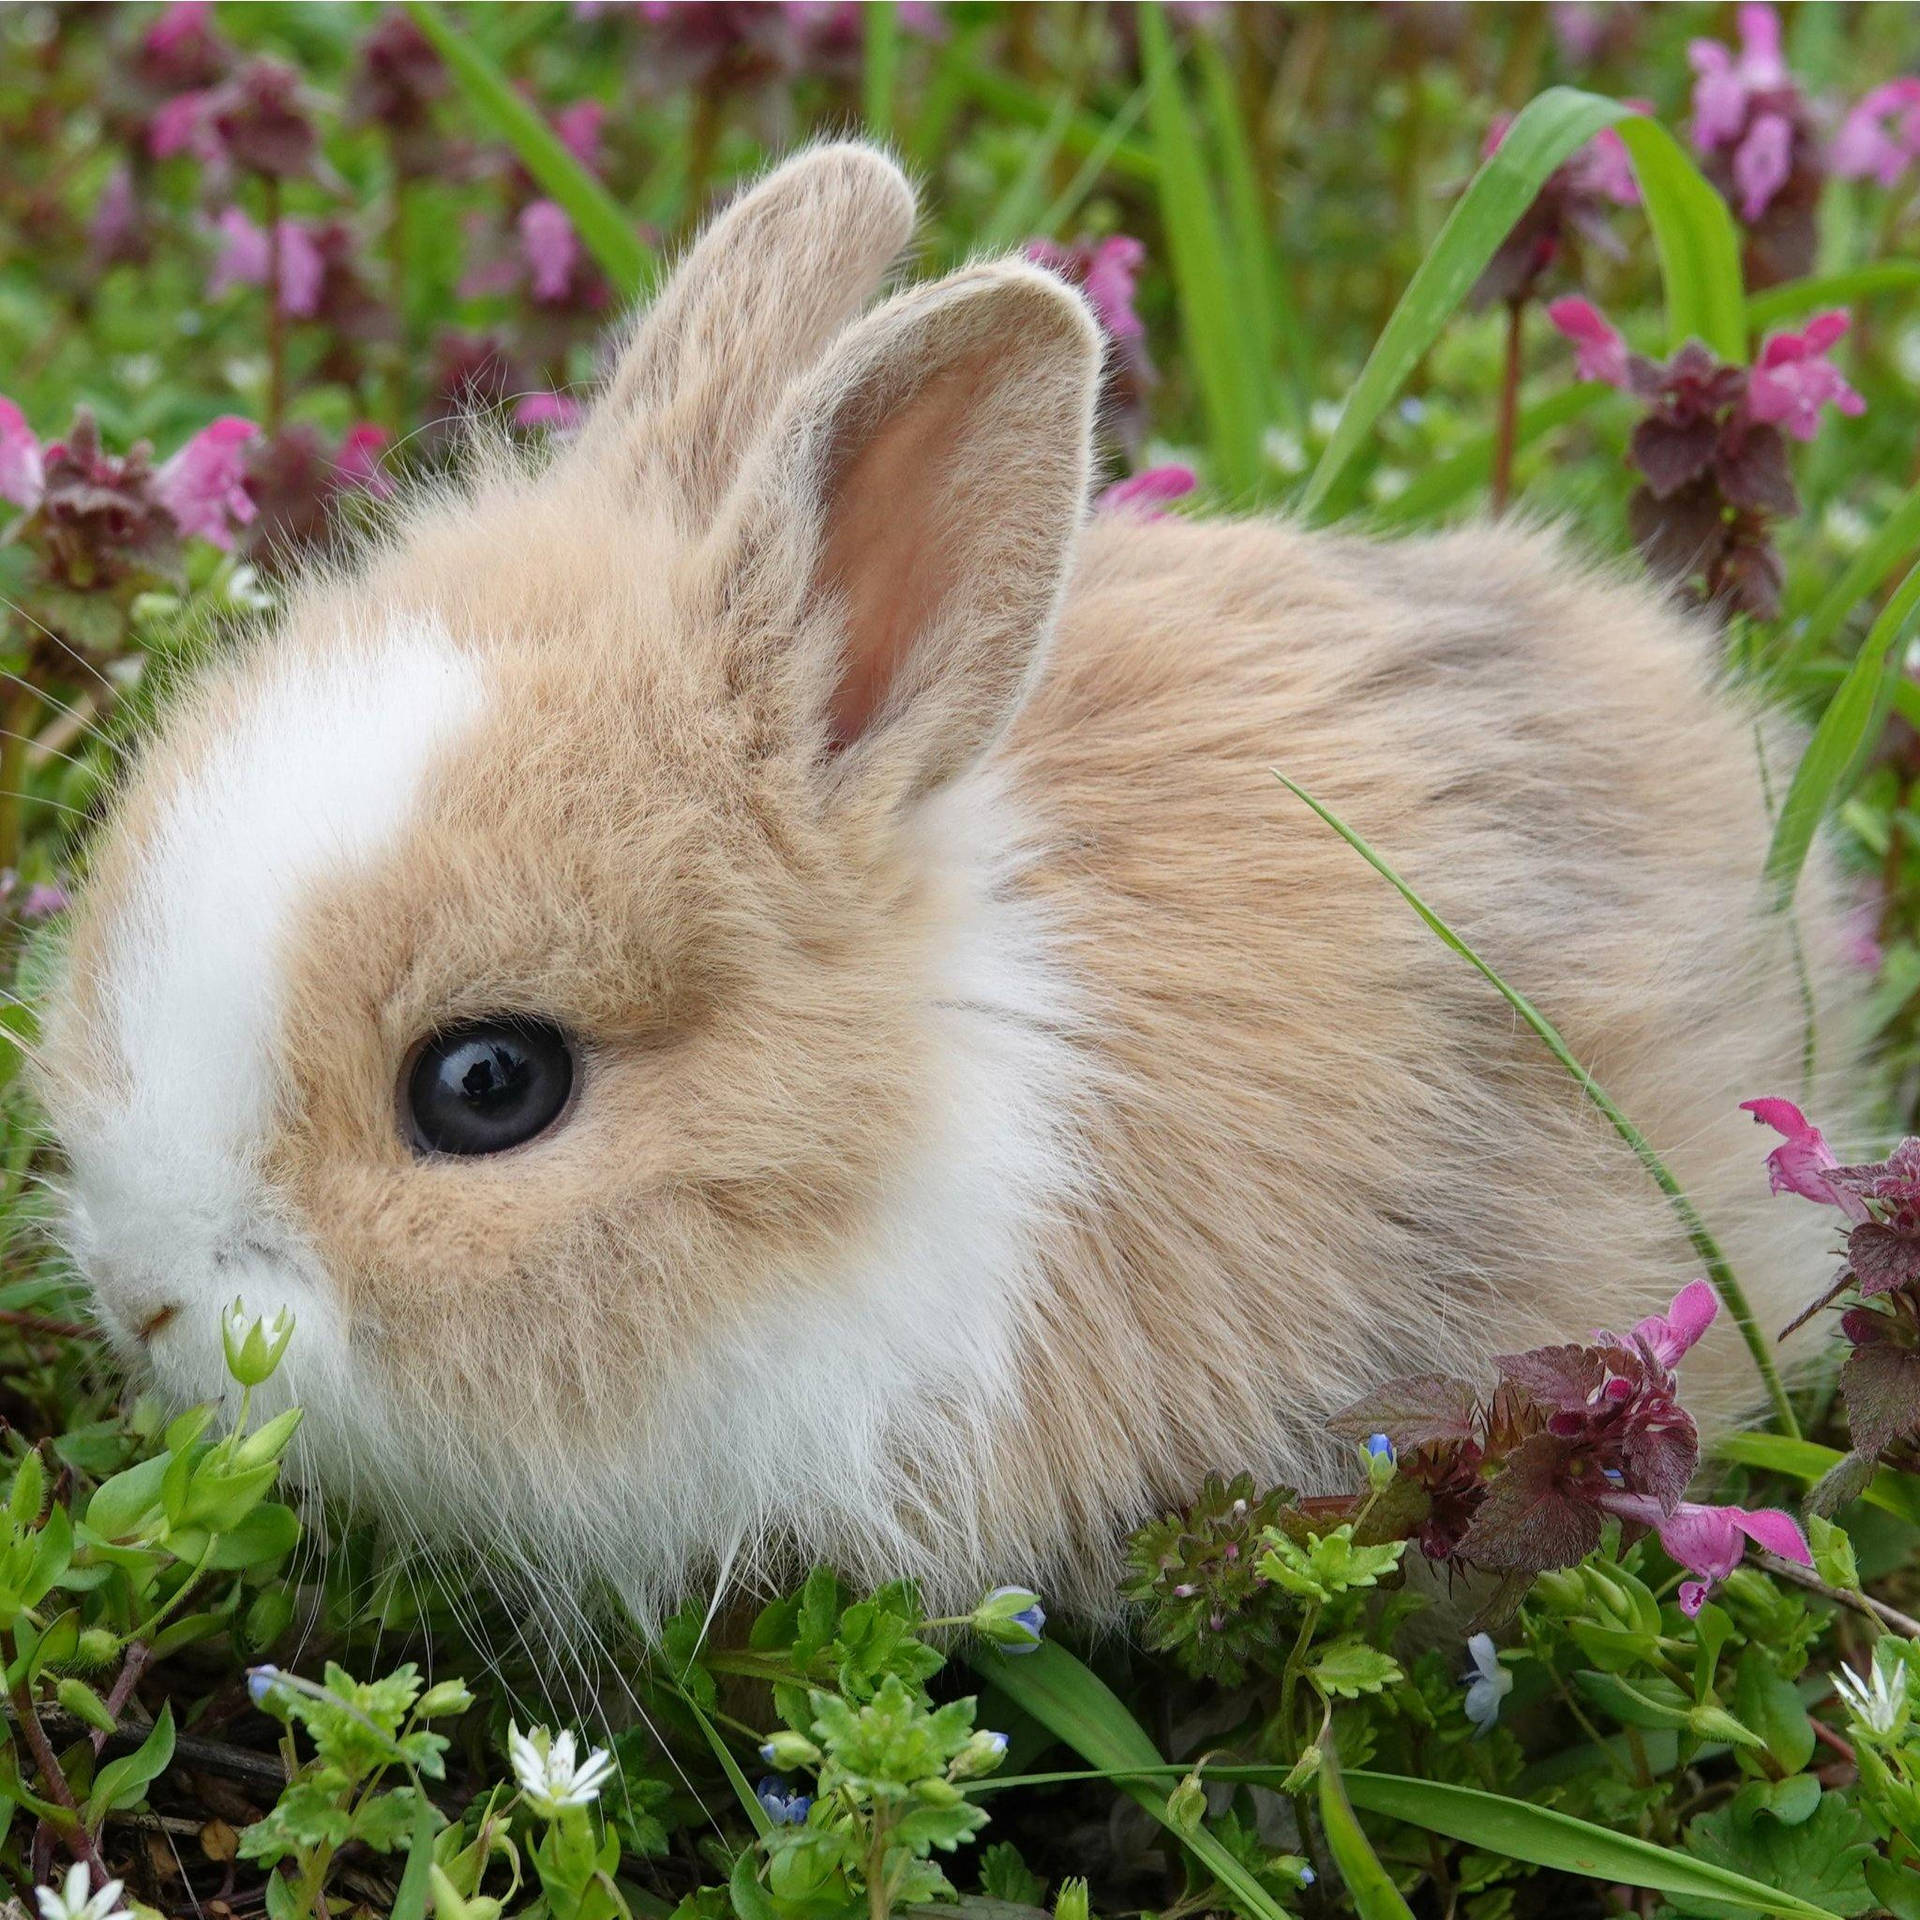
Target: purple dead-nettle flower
x,y
551,249
1487,1681
556,412
1710,1541
1669,1337
1148,492
261,121
245,259
23,471
42,902
204,485
101,521
397,81
1803,1159
1108,273
1793,378
1880,139
786,1805
1752,126
579,127
1573,207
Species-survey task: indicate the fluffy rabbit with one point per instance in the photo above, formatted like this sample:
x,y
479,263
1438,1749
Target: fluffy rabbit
x,y
754,991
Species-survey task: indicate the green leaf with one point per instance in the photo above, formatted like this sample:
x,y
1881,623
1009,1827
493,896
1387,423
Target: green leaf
x,y
122,1783
1543,1837
1349,1668
602,223
1695,237
1374,1895
1693,233
1770,1705
410,1903
1214,324
742,1791
1818,291
120,1505
1732,1296
1816,1861
1074,1703
1845,736
1891,1490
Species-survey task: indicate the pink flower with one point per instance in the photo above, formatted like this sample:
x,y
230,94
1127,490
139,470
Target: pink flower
x,y
1793,378
184,125
1708,1541
204,485
1727,81
42,902
579,129
1148,491
358,461
23,472
560,411
1880,138
245,260
1106,271
1798,1164
1745,103
1670,1336
551,247
1602,352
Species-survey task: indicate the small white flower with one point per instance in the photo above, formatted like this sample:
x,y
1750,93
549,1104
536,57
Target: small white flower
x,y
545,1767
1876,1700
1488,1683
72,1901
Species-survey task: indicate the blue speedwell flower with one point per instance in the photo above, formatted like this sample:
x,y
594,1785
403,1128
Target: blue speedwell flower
x,y
786,1807
1487,1683
1012,1618
1379,1446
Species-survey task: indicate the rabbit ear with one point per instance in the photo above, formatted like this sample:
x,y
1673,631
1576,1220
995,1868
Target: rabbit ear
x,y
900,548
765,288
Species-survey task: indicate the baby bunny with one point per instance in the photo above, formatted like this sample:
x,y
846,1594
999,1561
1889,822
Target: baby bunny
x,y
753,990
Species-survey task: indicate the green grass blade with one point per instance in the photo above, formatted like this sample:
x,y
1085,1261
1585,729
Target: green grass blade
x,y
1693,233
879,63
1449,481
1732,1296
1009,99
410,1902
742,1790
1545,1838
1844,737
602,223
1017,217
1263,292
1892,541
1086,176
1221,338
1075,1704
1368,1883
1891,1490
1822,290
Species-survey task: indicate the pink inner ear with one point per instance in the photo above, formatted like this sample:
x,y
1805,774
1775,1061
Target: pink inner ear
x,y
890,551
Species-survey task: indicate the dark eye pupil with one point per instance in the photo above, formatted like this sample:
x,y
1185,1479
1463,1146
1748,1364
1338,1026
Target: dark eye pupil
x,y
488,1085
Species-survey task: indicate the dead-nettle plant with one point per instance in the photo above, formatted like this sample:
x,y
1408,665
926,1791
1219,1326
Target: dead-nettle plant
x,y
1877,1287
1711,450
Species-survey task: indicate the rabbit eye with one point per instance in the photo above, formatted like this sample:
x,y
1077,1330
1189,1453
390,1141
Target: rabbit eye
x,y
487,1085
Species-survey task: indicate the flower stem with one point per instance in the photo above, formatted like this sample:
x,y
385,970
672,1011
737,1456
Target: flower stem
x,y
79,1840
1507,422
22,706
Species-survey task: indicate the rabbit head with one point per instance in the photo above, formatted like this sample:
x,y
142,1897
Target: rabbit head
x,y
570,960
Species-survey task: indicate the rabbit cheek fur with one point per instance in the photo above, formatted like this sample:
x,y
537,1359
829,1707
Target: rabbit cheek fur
x,y
996,1102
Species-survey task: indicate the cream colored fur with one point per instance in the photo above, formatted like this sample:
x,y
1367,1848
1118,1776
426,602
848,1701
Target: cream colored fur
x,y
999,1102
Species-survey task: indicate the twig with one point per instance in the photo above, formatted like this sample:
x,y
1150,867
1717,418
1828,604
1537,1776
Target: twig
x,y
1507,421
238,1763
1805,1578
